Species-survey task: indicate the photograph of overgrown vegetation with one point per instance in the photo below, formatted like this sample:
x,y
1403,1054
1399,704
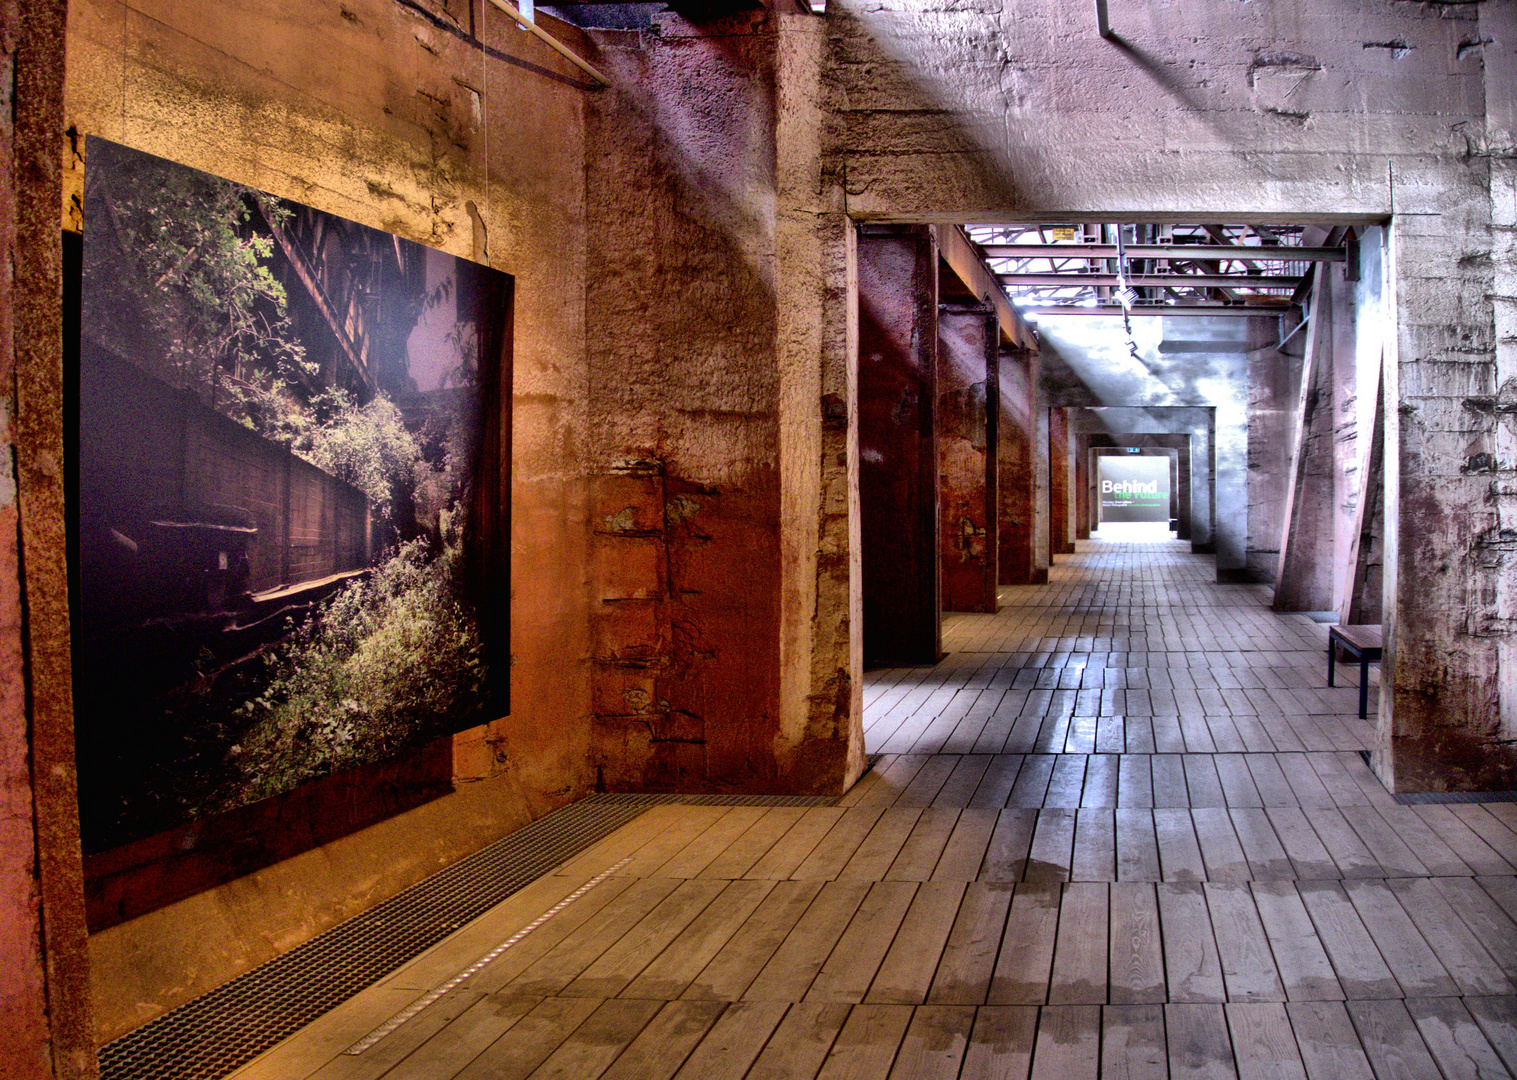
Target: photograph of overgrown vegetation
x,y
285,516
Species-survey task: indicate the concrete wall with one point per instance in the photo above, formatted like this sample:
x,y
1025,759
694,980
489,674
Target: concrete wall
x,y
448,126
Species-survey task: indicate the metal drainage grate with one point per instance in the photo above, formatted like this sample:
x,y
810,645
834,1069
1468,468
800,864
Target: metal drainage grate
x,y
212,1035
1416,798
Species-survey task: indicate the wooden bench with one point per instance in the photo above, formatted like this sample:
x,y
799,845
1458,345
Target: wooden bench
x,y
1363,643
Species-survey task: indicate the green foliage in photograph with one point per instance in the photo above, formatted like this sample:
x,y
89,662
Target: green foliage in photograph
x,y
377,668
200,273
366,445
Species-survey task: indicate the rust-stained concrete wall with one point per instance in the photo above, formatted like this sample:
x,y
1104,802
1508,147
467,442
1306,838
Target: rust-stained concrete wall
x,y
447,125
732,667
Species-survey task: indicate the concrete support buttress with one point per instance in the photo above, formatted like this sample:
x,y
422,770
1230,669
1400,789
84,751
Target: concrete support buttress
x,y
1361,586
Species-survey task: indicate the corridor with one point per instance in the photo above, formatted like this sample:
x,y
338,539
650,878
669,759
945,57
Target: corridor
x,y
1123,829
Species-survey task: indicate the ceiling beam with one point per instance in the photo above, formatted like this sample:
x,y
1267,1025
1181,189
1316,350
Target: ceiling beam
x,y
1195,281
958,251
1164,251
1251,311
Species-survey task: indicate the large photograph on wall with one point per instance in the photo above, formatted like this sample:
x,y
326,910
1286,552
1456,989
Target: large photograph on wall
x,y
290,510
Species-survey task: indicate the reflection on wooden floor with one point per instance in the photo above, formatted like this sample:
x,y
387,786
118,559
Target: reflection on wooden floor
x,y
1122,830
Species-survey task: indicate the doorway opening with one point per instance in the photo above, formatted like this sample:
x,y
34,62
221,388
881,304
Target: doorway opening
x,y
1007,371
1134,494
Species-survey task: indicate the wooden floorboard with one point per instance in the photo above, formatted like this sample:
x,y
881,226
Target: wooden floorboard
x,y
1121,831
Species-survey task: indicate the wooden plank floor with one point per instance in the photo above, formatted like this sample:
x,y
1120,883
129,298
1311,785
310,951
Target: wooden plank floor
x,y
1121,830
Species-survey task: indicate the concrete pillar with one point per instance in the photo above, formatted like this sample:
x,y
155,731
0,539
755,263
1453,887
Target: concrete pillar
x,y
898,453
816,350
1082,501
1060,482
967,476
46,1027
1040,484
1017,455
1304,578
1448,707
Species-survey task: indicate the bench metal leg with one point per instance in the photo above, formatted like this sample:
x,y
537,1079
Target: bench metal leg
x,y
1364,687
1331,656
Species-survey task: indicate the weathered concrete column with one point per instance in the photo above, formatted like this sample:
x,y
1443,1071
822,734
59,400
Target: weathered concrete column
x,y
968,347
898,454
821,741
1448,706
1041,537
1060,482
1082,501
1017,455
46,1026
1304,577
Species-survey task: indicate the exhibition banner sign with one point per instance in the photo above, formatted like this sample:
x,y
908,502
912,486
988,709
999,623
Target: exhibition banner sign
x,y
1134,487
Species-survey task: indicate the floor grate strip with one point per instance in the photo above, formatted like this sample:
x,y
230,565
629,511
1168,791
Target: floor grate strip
x,y
219,1031
1421,798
